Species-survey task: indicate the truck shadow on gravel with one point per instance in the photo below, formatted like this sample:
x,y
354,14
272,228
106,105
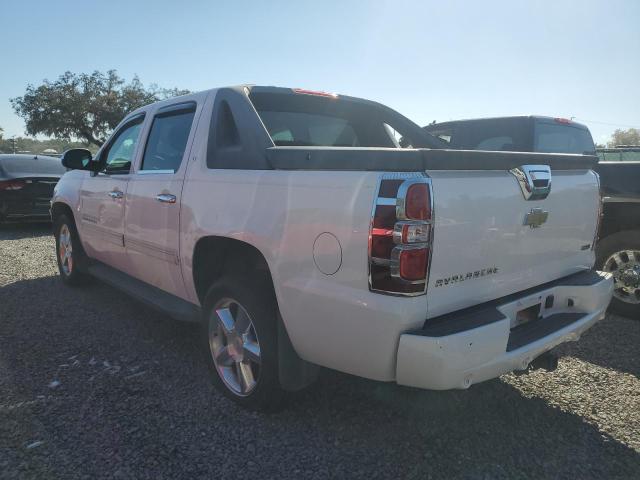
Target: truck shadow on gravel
x,y
18,231
611,343
112,388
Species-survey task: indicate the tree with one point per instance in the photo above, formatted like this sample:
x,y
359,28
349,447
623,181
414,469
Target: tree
x,y
625,137
84,106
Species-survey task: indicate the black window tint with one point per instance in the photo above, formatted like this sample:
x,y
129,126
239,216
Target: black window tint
x,y
561,138
496,143
493,134
443,133
226,129
296,128
168,140
120,152
309,120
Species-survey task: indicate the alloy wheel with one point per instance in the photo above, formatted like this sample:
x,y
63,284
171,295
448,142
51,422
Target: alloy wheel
x,y
234,347
625,268
65,250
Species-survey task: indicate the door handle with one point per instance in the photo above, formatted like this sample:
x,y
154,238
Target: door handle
x,y
166,198
116,194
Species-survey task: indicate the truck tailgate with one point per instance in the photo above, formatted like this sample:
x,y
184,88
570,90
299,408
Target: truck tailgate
x,y
482,248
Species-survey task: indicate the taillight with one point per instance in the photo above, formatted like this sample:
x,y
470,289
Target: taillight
x,y
401,234
12,185
565,121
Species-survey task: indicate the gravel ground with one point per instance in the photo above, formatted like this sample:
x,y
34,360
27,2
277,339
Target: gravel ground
x,y
94,385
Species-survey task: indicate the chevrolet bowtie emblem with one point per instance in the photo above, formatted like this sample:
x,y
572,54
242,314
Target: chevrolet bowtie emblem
x,y
535,217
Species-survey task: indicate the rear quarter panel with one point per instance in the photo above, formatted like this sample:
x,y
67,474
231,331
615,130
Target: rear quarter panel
x,y
332,320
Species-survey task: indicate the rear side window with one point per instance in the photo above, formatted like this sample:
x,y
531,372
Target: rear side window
x,y
168,138
562,138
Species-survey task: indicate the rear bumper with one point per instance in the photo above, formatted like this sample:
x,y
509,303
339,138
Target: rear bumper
x,y
25,208
463,348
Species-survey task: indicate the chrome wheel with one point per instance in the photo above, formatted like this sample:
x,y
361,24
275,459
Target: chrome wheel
x,y
234,347
625,268
65,250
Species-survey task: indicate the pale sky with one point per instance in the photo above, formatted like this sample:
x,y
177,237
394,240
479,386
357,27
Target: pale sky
x,y
430,60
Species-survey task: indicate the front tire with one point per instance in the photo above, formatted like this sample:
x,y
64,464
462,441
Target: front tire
x,y
241,332
69,252
619,254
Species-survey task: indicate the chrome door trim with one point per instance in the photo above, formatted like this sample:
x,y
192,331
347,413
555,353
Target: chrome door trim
x,y
156,172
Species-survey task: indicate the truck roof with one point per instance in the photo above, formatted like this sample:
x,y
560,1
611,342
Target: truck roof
x,y
261,89
509,117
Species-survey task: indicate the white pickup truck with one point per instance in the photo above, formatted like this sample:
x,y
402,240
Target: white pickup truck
x,y
295,227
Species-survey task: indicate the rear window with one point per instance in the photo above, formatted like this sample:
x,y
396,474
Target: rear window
x,y
443,133
309,120
563,138
510,134
297,128
29,164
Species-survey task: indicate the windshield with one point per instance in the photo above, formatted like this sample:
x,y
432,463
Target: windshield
x,y
310,120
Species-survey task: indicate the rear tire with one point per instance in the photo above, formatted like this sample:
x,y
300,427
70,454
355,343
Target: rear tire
x,y
240,323
69,253
619,254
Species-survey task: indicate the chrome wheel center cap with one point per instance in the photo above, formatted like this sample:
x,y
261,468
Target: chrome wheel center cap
x,y
630,276
235,347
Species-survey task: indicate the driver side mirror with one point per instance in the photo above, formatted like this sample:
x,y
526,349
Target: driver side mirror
x,y
78,159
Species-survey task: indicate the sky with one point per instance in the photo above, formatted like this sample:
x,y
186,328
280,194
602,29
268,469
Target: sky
x,y
430,60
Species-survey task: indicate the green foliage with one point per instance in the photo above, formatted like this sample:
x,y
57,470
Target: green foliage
x,y
624,137
84,106
32,145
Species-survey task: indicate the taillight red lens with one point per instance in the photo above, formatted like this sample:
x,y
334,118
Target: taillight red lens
x,y
413,264
12,185
417,202
400,235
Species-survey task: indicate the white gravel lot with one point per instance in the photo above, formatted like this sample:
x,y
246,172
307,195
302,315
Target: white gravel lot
x,y
94,385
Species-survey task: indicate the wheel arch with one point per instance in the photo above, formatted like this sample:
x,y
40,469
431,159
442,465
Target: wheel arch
x,y
620,216
61,208
217,256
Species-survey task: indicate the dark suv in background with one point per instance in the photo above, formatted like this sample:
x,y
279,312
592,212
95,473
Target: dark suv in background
x,y
516,134
618,248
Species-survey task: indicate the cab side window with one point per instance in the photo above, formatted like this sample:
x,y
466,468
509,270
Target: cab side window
x,y
168,138
120,152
